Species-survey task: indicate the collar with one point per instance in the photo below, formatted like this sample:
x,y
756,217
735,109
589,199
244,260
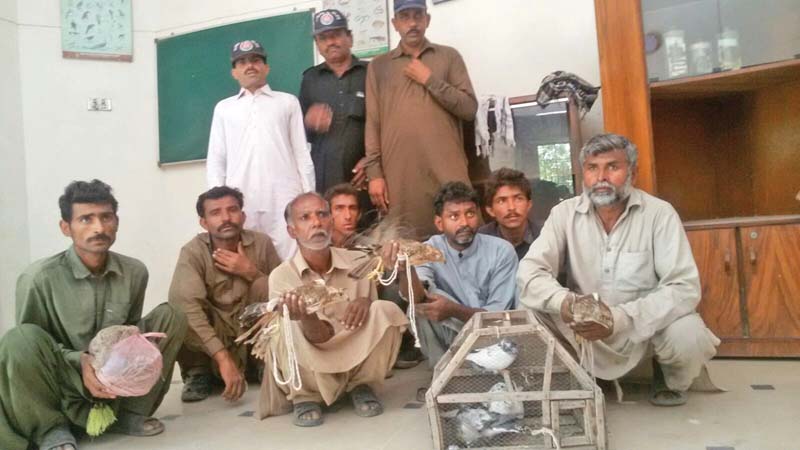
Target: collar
x,y
339,261
529,238
80,271
265,90
466,253
246,236
398,51
494,230
585,204
323,67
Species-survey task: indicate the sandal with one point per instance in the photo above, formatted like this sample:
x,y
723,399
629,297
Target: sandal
x,y
303,408
136,425
365,403
58,437
196,387
660,394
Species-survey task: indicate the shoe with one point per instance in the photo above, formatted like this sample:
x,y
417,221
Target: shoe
x,y
196,387
408,358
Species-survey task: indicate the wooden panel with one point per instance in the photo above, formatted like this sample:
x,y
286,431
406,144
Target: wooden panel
x,y
771,257
764,348
776,149
757,221
734,81
701,157
715,254
623,75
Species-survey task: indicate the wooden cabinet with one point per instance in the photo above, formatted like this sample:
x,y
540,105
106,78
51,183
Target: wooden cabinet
x,y
750,275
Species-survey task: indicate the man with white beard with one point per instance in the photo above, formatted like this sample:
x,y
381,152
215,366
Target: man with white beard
x,y
631,249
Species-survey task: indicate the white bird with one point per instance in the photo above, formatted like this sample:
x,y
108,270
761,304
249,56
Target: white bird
x,y
495,357
505,407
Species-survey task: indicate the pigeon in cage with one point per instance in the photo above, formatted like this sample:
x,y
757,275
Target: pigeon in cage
x,y
495,357
474,423
505,407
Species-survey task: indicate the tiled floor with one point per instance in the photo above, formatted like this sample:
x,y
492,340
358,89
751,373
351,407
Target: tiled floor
x,y
750,416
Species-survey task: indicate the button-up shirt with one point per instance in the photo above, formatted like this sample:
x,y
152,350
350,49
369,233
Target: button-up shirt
x,y
63,297
198,285
336,152
258,145
480,276
531,233
644,269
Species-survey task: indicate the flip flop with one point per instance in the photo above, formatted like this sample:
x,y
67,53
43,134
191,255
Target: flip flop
x,y
660,394
365,403
306,407
58,437
136,425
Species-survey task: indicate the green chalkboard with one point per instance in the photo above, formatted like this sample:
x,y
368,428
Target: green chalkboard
x,y
194,73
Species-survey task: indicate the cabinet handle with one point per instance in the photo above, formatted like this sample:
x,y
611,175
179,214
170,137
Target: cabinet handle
x,y
753,257
727,262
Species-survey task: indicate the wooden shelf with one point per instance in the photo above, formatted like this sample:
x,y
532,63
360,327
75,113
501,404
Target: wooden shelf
x,y
756,221
731,82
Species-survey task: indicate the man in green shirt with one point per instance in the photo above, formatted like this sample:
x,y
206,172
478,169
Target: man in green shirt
x,y
47,383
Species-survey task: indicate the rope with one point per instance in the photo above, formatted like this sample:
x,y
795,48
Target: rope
x,y
293,379
548,432
411,311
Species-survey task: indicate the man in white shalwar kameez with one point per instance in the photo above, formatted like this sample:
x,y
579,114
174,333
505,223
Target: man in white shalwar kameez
x,y
631,249
258,145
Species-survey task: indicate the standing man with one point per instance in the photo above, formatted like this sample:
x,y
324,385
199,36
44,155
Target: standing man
x,y
332,97
219,273
631,249
417,96
508,202
257,145
48,381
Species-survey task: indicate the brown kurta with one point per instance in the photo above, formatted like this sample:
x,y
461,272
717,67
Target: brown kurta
x,y
413,134
212,298
349,358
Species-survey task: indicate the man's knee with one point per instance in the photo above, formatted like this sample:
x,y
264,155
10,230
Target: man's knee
x,y
24,341
686,337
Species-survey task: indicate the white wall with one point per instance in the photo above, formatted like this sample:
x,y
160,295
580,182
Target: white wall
x,y
13,199
509,46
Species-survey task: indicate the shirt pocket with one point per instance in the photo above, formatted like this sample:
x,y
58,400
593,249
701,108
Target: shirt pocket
x,y
355,107
635,272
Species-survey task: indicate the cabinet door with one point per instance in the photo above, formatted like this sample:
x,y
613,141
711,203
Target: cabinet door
x,y
771,256
715,254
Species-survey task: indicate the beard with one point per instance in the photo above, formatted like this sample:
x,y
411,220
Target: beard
x,y
617,194
320,240
464,236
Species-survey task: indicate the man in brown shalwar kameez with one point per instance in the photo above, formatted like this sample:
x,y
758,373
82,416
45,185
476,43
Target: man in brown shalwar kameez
x,y
417,97
345,347
218,273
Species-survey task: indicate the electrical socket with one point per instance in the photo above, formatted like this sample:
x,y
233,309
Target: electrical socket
x,y
99,104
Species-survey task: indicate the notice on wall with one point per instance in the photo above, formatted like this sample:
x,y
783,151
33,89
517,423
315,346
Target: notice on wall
x,y
97,29
369,21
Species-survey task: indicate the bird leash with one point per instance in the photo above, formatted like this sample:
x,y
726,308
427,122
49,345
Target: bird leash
x,y
293,379
411,312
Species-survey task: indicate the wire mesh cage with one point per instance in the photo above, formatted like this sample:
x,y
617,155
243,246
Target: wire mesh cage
x,y
507,383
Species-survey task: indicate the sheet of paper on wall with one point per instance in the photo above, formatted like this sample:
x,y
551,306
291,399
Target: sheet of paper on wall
x,y
369,21
97,29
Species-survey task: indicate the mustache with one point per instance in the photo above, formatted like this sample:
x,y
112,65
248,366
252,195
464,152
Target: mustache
x,y
227,225
510,215
465,229
603,185
100,237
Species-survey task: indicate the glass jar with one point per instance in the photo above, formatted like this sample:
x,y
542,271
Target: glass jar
x,y
728,53
702,60
677,64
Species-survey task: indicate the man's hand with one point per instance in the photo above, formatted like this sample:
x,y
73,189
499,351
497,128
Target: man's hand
x,y
437,308
359,180
318,118
235,384
235,263
356,313
296,306
389,255
93,385
379,194
417,71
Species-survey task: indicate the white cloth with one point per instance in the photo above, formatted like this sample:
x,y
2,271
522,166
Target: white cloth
x,y
258,145
644,269
499,108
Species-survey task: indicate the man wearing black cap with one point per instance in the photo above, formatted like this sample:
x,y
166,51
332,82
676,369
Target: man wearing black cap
x,y
417,96
258,145
332,98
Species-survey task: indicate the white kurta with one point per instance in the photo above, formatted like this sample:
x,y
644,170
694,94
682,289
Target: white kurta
x,y
258,145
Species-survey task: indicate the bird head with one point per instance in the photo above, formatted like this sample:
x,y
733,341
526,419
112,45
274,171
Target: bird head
x,y
509,346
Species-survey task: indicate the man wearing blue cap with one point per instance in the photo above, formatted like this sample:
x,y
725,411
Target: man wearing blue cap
x,y
332,98
417,96
258,145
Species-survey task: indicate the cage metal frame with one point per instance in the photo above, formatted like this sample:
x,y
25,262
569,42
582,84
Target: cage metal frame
x,y
499,324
